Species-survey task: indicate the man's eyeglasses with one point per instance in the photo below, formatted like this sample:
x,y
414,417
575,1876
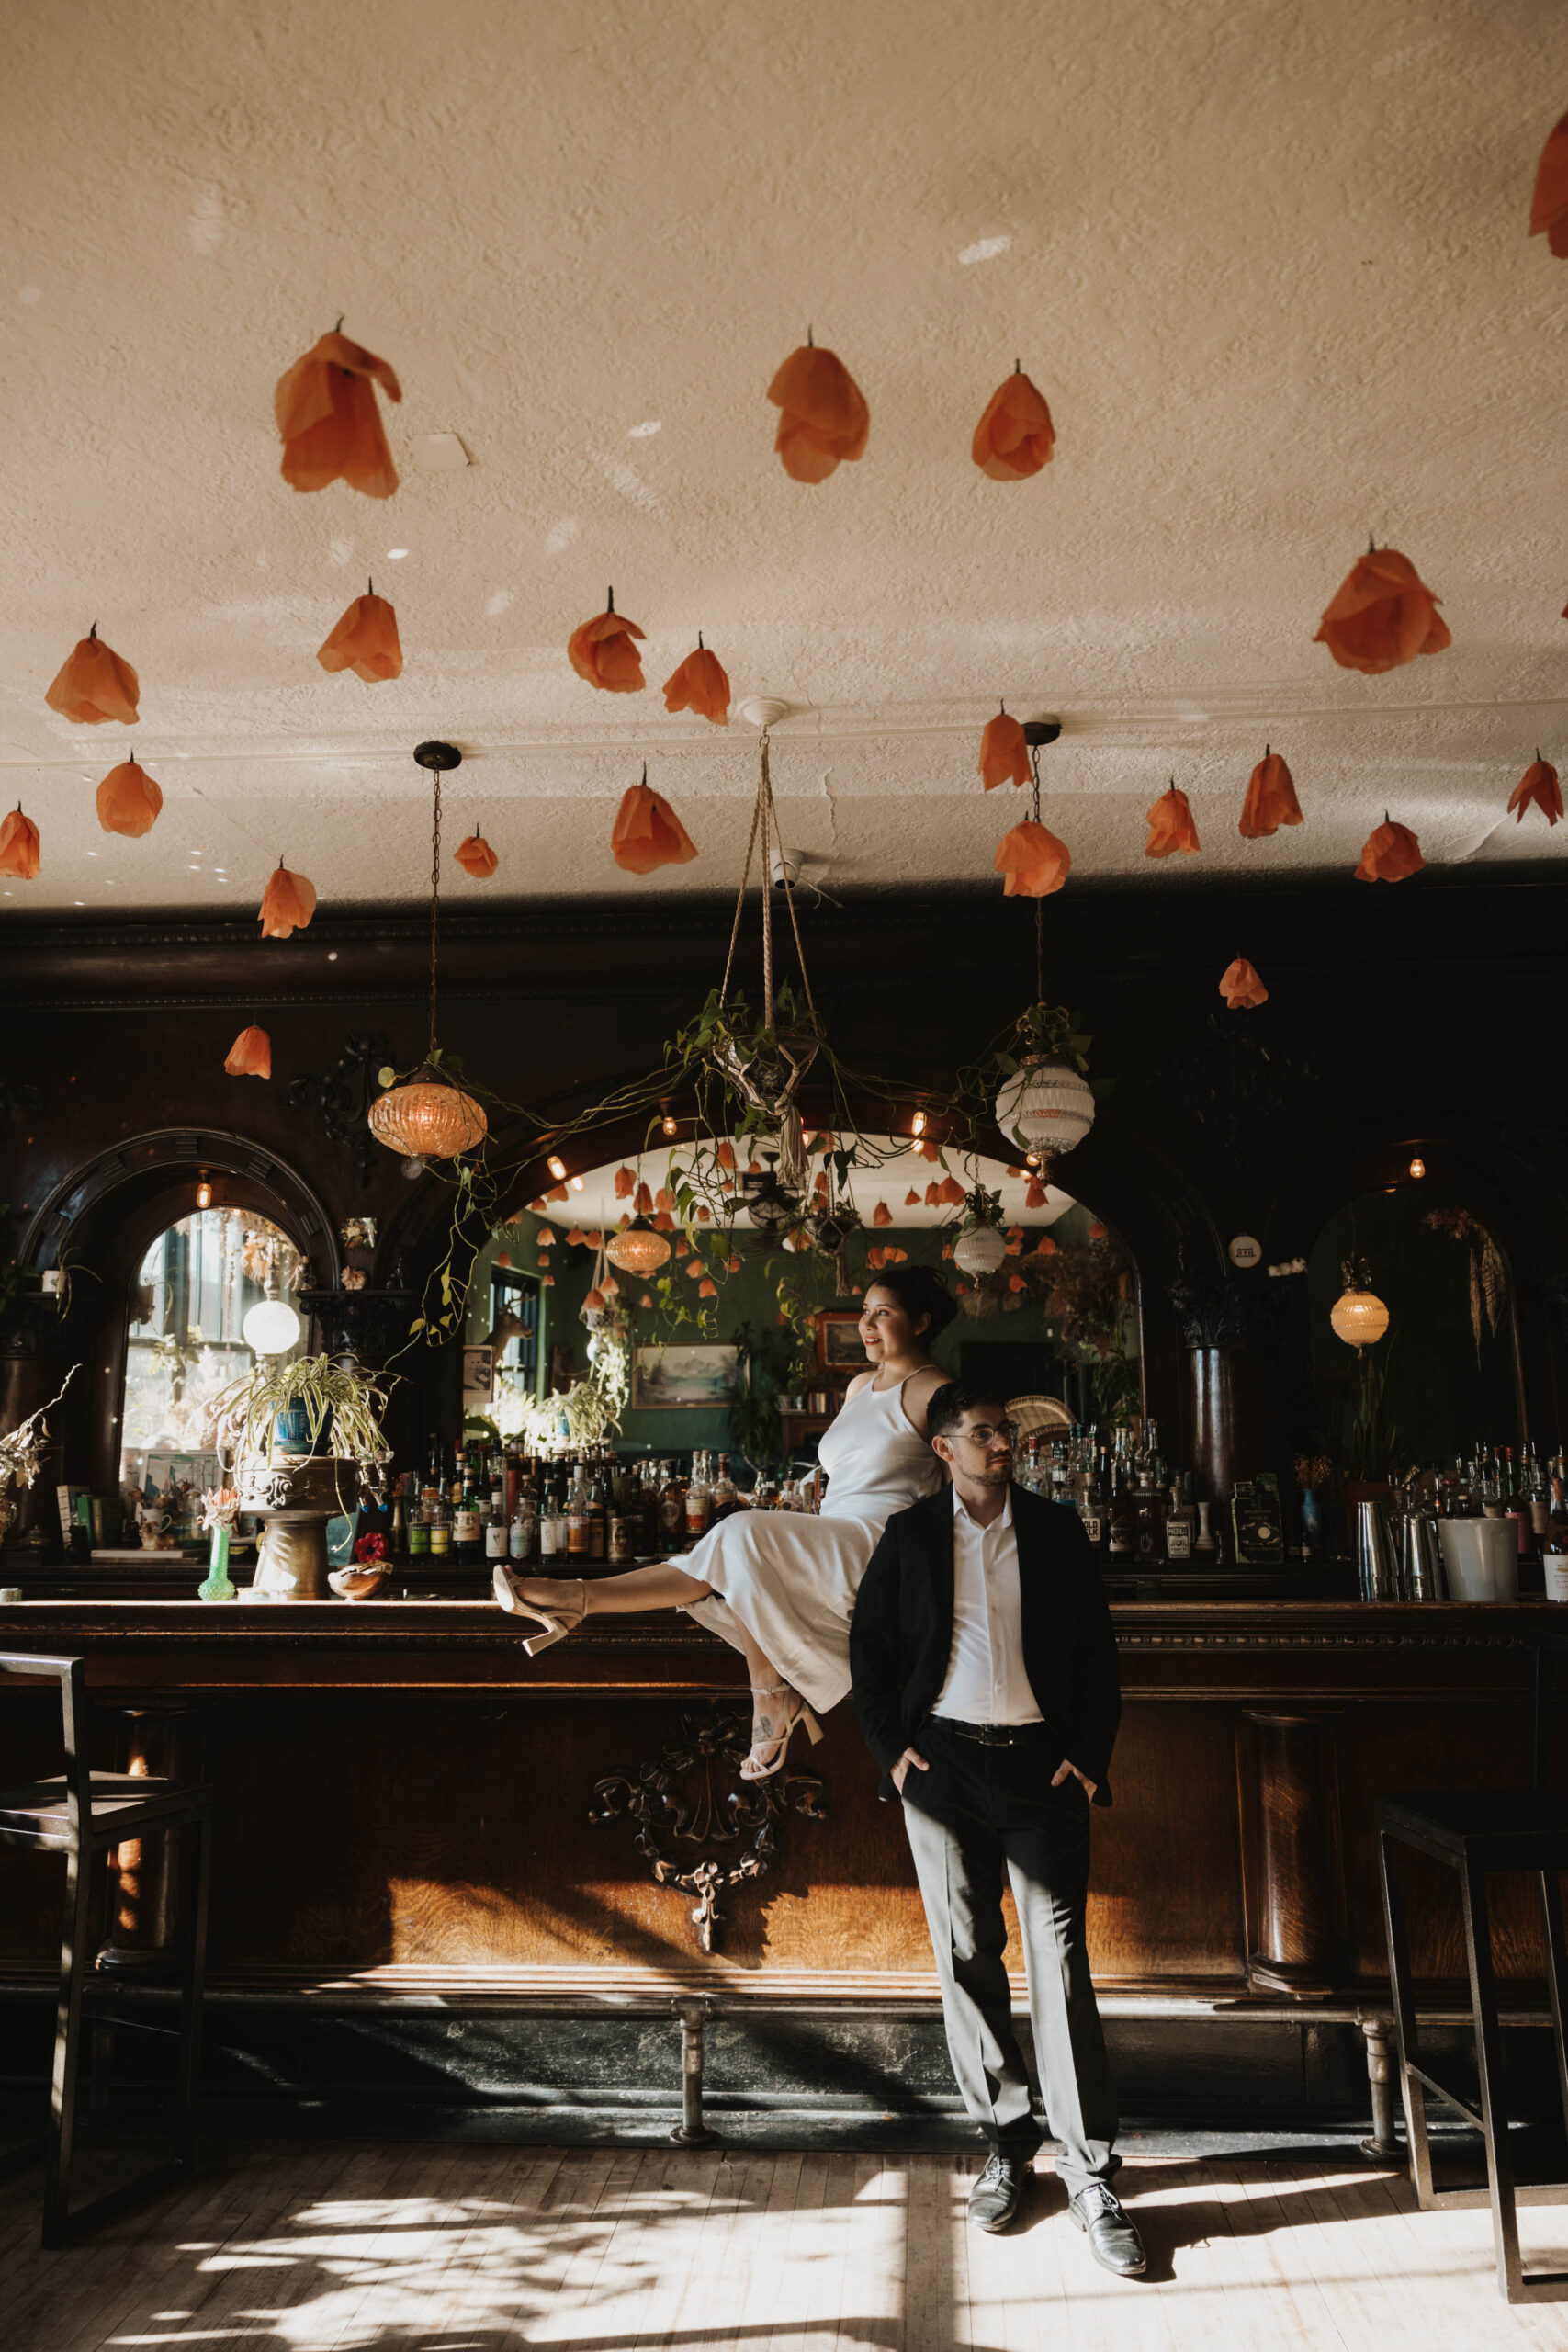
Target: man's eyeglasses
x,y
983,1433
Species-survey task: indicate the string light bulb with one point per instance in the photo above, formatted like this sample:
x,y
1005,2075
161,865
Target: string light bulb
x,y
918,1123
203,1192
669,1123
557,1167
1417,1169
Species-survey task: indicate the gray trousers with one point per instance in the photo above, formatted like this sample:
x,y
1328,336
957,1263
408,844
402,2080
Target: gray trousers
x,y
969,1820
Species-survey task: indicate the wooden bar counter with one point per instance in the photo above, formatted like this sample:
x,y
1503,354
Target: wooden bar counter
x,y
407,1804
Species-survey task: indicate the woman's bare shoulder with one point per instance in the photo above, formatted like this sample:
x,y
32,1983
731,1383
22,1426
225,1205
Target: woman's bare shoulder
x,y
918,1390
861,1380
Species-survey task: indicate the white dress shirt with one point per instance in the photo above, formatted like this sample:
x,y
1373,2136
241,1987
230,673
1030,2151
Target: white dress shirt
x,y
986,1681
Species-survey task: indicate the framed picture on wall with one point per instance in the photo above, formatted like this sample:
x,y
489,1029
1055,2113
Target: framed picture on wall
x,y
838,1345
685,1376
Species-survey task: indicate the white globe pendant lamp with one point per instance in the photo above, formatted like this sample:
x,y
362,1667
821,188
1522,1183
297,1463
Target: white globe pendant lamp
x,y
979,1251
1045,1106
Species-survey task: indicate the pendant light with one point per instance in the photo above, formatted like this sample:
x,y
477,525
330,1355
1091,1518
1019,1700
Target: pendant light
x,y
272,1327
1046,1106
640,1249
427,1116
1358,1315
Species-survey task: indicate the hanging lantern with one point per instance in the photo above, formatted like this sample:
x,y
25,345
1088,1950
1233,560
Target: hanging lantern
x,y
427,1117
979,1251
640,1249
1358,1317
1045,1105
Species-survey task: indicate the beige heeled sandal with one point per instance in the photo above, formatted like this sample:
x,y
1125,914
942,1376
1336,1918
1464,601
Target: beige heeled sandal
x,y
505,1585
752,1770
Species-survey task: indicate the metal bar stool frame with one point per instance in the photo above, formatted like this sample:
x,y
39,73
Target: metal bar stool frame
x,y
81,1814
1535,1842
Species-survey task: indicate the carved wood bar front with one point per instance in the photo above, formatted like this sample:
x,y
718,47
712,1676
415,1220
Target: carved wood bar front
x,y
406,1801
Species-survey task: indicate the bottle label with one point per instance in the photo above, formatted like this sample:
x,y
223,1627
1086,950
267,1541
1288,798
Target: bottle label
x,y
546,1539
466,1527
495,1541
577,1535
1119,1539
1178,1540
1091,1525
698,1519
1540,1514
596,1536
419,1542
441,1542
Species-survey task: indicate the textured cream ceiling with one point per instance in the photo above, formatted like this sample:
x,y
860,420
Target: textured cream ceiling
x,y
1267,262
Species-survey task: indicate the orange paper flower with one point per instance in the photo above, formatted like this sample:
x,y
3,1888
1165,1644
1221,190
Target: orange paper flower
x,y
642,1204
329,423
1004,754
700,684
1549,206
603,652
95,685
881,1214
647,833
476,856
595,1297
1537,788
18,846
1015,437
250,1055
546,1236
1270,798
707,1289
1382,615
1241,987
626,1183
287,903
1034,861
951,1192
365,641
911,1199
825,416
1392,852
127,800
1035,1196
724,1156
1170,825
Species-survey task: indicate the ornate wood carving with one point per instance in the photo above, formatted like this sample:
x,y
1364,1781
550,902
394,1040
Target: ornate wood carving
x,y
342,1096
692,1794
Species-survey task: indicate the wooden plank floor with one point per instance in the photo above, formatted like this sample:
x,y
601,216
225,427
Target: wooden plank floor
x,y
316,2246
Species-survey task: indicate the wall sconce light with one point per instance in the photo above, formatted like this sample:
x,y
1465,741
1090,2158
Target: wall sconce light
x,y
918,1123
203,1192
557,1167
1417,1169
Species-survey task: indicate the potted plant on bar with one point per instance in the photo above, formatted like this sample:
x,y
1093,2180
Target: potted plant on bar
x,y
286,1431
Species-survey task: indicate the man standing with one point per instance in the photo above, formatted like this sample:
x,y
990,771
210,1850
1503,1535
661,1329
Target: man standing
x,y
985,1678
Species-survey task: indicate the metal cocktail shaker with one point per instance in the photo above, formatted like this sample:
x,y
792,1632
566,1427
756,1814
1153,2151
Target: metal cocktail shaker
x,y
1376,1574
1420,1561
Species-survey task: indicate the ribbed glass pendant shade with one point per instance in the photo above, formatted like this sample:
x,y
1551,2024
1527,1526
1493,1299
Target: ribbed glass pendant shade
x,y
1045,1106
427,1118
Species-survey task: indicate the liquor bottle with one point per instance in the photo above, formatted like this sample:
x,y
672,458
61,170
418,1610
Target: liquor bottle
x,y
440,1525
699,1501
598,1518
522,1533
1091,1509
725,1496
1180,1520
577,1515
672,1512
1123,1541
1149,1508
468,1544
549,1524
1556,1543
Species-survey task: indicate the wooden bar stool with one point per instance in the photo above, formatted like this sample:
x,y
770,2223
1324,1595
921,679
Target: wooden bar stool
x,y
1477,1832
80,1813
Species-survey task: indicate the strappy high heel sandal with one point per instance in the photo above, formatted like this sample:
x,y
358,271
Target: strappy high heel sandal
x,y
752,1771
503,1584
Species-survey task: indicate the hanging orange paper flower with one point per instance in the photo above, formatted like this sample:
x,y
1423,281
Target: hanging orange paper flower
x,y
1549,206
603,652
1004,754
912,1200
1035,1196
642,1205
546,1236
694,1271
724,1156
951,1192
1241,987
1034,861
1537,788
704,1214
93,685
250,1055
1098,1231
557,1193
329,419
1392,852
1270,798
700,685
1382,615
18,846
1047,1248
648,834
366,640
476,856
707,1289
127,800
682,1248
1015,437
626,1183
664,1198
1170,825
881,1214
933,1195
825,416
287,903
595,1297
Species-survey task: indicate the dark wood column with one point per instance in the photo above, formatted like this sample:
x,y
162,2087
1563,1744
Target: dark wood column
x,y
1230,1377
1287,1785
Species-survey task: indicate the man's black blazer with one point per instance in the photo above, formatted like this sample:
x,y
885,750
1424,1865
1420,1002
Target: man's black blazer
x,y
901,1635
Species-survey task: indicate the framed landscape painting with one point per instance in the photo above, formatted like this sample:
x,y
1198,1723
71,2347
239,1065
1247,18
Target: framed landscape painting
x,y
838,1347
693,1375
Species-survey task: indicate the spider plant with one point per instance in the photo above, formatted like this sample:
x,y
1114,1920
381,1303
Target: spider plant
x,y
248,1409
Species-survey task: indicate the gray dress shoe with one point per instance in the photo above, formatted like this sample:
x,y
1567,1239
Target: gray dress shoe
x,y
995,2197
1114,2241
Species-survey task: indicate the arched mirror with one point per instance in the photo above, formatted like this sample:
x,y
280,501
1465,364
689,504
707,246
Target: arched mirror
x,y
210,1289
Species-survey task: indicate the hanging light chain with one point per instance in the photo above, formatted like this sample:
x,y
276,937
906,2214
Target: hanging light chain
x,y
434,899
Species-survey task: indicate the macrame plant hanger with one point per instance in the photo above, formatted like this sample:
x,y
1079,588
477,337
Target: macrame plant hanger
x,y
773,1089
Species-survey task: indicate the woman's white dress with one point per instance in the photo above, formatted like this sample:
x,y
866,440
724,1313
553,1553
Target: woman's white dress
x,y
790,1577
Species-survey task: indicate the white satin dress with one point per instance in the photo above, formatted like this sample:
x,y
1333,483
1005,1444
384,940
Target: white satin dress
x,y
791,1577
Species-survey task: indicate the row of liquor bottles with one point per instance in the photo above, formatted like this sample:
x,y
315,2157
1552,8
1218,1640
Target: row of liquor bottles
x,y
496,1503
1135,1508
1506,1482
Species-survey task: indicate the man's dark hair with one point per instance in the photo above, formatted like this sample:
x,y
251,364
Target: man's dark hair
x,y
948,1407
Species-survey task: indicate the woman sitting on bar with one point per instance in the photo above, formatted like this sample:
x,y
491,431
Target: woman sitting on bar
x,y
780,1586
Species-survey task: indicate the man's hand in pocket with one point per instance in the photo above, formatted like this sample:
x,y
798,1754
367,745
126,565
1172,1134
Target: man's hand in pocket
x,y
900,1770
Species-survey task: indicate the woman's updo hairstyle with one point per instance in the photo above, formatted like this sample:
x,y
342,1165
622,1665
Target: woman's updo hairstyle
x,y
919,1292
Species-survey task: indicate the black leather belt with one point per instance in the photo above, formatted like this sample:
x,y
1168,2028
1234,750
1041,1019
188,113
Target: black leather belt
x,y
991,1735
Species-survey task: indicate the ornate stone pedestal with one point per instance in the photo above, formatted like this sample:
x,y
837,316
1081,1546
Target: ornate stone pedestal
x,y
295,1497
